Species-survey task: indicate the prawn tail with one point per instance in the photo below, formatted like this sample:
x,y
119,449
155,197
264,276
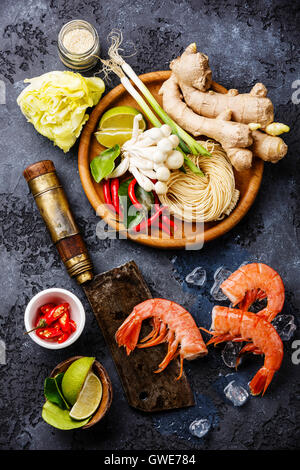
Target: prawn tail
x,y
128,334
261,381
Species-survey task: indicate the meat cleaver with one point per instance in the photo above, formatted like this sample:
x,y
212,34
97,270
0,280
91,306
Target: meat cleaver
x,y
112,296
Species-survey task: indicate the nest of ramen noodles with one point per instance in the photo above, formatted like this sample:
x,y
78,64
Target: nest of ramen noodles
x,y
194,197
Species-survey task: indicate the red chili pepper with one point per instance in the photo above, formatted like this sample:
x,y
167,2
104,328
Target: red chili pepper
x,y
46,308
49,333
63,337
106,192
41,323
56,313
59,319
132,196
114,194
73,326
150,220
64,322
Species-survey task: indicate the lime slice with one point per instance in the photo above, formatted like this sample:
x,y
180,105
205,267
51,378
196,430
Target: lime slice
x,y
110,137
89,398
74,378
116,125
120,117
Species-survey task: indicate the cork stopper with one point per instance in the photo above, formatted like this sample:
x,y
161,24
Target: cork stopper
x,y
38,169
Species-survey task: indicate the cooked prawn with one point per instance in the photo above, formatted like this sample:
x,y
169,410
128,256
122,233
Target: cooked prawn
x,y
252,282
232,324
171,323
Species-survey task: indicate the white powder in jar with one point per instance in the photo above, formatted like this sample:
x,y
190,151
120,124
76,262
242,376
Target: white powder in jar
x,y
78,40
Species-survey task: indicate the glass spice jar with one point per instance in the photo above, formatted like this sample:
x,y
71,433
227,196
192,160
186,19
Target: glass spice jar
x,y
78,45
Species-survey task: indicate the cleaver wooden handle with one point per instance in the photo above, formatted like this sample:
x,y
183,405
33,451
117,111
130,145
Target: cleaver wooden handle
x,y
53,205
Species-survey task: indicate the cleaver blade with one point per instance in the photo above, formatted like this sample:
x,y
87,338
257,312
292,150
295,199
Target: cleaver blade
x,y
112,296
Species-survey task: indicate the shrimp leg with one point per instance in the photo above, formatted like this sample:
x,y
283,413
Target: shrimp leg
x,y
154,332
157,340
171,354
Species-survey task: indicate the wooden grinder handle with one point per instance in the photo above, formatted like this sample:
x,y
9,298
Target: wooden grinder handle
x,y
54,208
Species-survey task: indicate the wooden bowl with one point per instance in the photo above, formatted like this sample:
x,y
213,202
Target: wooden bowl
x,y
107,393
247,182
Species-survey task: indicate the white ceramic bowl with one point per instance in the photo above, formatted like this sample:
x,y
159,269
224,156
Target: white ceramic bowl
x,y
57,296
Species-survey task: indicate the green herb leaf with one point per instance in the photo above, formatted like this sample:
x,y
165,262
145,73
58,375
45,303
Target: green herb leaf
x,y
58,379
192,166
103,165
123,189
145,198
59,418
132,216
130,213
52,391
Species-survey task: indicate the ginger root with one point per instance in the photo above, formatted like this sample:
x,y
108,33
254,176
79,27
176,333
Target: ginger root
x,y
267,147
194,68
231,119
233,136
194,77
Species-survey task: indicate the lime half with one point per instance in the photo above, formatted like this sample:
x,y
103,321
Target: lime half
x,y
89,398
115,126
74,378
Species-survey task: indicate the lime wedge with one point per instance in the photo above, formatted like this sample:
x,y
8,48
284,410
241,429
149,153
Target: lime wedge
x,y
116,125
74,378
89,398
110,137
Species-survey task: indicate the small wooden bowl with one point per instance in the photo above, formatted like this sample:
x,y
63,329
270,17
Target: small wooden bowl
x,y
107,393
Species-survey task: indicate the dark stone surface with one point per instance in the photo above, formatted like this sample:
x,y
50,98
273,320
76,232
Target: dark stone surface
x,y
246,42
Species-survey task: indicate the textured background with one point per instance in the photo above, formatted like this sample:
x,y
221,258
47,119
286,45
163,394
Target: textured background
x,y
246,42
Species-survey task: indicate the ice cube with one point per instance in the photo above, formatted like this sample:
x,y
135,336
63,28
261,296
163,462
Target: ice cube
x,y
220,275
199,427
216,292
230,353
236,393
285,326
196,277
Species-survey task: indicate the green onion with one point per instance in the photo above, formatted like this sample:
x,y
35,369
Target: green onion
x,y
140,101
194,147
